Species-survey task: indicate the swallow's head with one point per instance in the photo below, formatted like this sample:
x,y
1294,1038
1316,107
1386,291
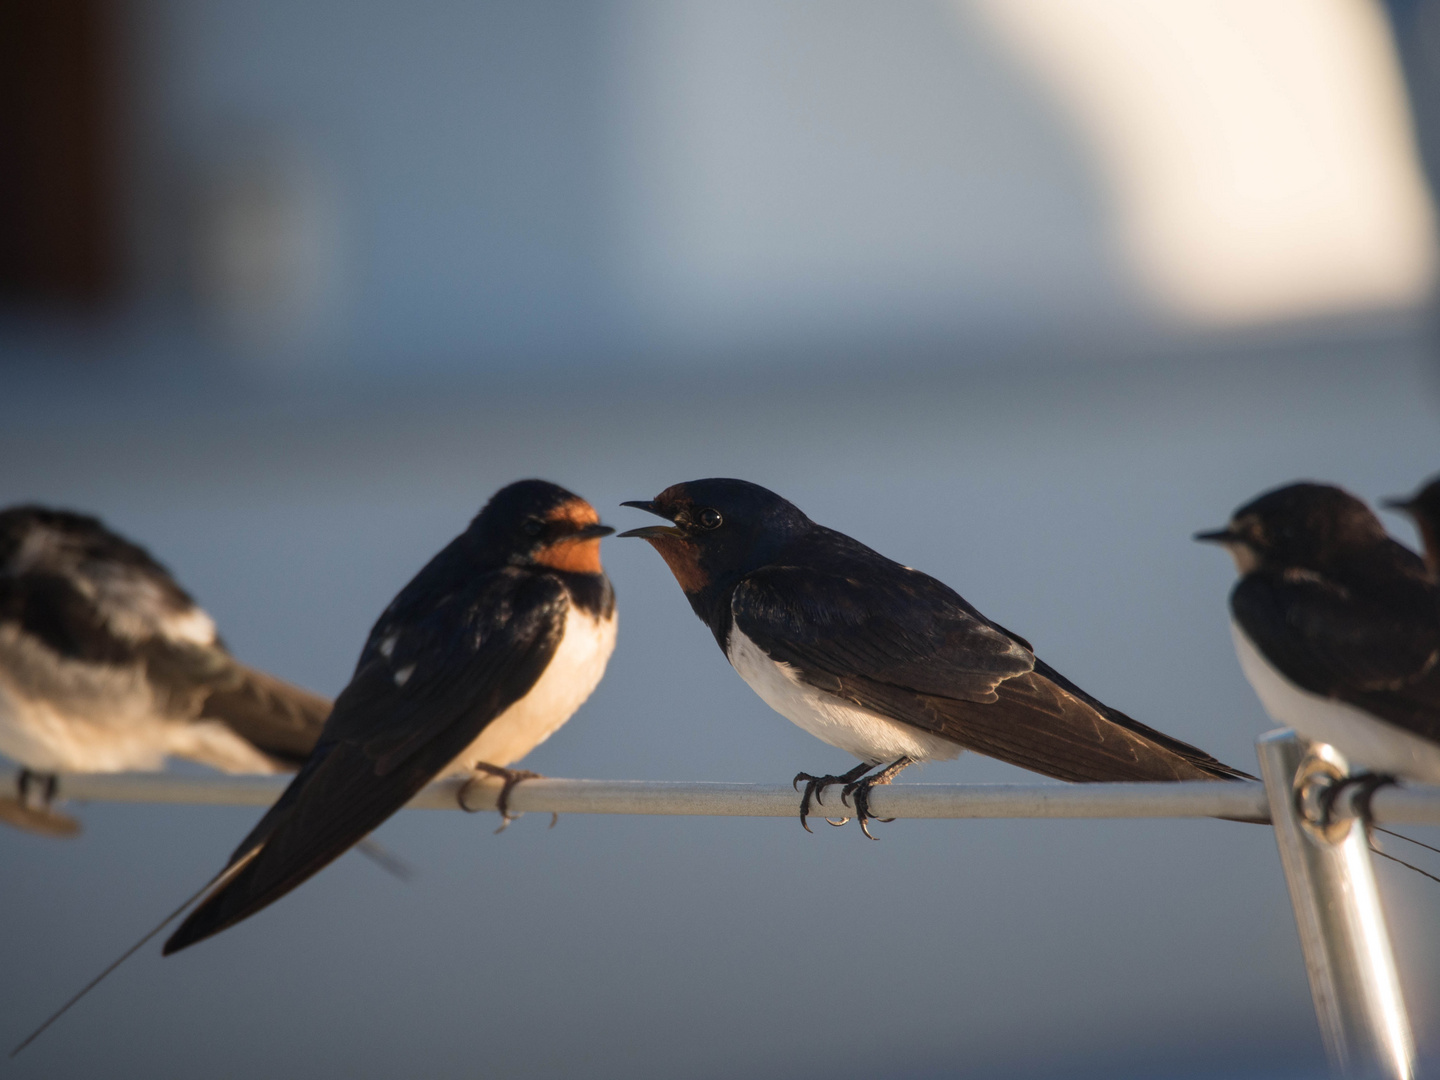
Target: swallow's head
x,y
720,529
1306,526
1423,508
537,523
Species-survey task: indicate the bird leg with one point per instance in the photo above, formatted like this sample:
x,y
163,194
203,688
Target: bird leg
x,y
26,778
860,790
815,789
511,777
32,806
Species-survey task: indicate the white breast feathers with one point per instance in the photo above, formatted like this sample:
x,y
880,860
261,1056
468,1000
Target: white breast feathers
x,y
856,730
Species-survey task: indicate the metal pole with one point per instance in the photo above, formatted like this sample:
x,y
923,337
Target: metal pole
x,y
1337,911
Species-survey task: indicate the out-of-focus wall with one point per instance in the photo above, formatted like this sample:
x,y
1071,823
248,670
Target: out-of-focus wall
x,y
377,186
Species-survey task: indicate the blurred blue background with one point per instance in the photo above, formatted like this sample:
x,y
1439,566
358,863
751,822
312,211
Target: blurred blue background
x,y
1021,294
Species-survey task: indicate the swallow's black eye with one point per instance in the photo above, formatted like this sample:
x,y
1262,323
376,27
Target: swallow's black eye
x,y
709,519
533,526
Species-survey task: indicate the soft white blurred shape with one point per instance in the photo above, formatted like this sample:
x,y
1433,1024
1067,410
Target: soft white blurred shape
x,y
1260,155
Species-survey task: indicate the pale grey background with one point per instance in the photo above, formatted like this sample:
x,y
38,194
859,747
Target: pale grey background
x,y
948,363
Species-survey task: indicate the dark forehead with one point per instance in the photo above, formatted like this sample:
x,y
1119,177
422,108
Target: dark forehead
x,y
719,491
1305,501
530,497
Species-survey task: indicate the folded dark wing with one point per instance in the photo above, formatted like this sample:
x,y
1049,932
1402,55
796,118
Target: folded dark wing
x,y
909,648
887,624
386,739
1381,653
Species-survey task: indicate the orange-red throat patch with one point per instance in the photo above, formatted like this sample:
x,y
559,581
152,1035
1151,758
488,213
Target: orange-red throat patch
x,y
683,558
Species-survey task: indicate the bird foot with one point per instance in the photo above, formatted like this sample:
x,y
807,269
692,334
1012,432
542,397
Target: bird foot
x,y
31,810
502,803
815,789
26,782
857,793
1363,785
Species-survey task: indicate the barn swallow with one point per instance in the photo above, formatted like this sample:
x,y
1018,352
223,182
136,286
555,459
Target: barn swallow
x,y
1337,627
479,659
1423,508
107,664
883,661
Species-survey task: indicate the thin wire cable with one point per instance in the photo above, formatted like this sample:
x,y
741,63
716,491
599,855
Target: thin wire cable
x,y
1409,866
1409,839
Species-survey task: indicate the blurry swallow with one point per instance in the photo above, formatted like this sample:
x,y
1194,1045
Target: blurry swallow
x,y
883,661
1423,508
106,665
479,659
1337,627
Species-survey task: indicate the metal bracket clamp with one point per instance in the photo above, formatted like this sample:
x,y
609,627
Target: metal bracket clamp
x,y
1337,912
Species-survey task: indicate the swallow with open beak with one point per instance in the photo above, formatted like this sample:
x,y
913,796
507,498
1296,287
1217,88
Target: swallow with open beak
x,y
881,660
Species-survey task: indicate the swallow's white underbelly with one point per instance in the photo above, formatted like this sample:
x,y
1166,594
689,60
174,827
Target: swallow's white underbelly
x,y
858,731
570,677
1366,741
60,715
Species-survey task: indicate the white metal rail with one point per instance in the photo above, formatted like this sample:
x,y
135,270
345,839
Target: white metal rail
x,y
1197,799
1337,908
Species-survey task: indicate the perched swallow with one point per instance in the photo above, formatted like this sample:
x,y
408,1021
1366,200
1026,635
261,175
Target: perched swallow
x,y
106,664
1423,508
480,658
1337,627
881,660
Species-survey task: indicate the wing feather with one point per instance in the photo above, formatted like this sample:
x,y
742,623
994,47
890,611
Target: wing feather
x,y
1379,653
908,647
386,739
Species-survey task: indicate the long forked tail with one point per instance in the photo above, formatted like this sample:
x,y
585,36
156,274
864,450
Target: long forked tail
x,y
219,879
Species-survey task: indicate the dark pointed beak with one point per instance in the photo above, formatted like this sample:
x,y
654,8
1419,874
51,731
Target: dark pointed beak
x,y
1398,502
1216,536
649,531
595,532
